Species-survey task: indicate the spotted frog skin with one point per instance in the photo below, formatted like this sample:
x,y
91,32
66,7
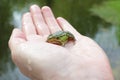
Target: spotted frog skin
x,y
60,38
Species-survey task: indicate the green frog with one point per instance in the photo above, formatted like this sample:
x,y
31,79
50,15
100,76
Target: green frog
x,y
60,38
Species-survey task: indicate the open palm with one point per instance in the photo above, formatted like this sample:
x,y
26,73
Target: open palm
x,y
40,60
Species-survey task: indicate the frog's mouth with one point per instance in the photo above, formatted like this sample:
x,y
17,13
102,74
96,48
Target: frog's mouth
x,y
55,41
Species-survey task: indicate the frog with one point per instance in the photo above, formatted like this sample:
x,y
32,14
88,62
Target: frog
x,y
60,38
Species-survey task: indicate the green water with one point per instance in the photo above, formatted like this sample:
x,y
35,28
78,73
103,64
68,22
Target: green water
x,y
84,15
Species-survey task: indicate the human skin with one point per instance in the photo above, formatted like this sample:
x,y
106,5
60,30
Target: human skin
x,y
39,60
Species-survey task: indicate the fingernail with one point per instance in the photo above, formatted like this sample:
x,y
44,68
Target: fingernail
x,y
34,7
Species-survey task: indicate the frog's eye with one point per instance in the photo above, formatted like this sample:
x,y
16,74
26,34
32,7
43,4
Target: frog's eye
x,y
57,37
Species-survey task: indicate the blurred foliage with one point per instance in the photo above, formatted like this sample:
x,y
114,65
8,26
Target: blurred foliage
x,y
78,14
110,11
5,31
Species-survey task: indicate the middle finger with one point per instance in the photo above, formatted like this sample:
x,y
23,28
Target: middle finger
x,y
38,20
50,19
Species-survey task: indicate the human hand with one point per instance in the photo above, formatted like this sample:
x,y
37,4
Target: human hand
x,y
40,60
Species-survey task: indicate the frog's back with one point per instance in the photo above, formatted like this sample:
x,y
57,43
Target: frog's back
x,y
57,34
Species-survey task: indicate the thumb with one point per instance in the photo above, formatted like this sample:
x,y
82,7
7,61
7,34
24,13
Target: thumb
x,y
17,37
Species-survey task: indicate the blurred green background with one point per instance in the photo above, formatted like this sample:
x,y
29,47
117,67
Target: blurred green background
x,y
98,19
